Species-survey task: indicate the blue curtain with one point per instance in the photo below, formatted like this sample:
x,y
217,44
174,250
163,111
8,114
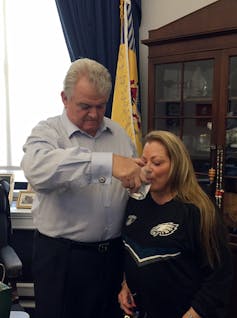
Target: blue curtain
x,y
92,29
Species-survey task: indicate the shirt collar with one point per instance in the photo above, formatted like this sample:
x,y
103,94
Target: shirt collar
x,y
71,128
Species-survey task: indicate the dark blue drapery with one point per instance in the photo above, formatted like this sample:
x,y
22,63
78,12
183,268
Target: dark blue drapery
x,y
92,29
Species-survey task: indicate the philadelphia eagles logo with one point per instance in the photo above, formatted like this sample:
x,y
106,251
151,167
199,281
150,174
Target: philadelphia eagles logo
x,y
164,229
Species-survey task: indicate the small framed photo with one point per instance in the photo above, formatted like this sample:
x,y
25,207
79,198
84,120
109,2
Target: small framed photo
x,y
25,199
9,177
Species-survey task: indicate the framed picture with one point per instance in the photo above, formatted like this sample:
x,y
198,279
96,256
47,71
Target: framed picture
x,y
9,177
25,199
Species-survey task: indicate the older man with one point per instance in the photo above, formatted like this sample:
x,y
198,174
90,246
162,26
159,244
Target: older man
x,y
79,164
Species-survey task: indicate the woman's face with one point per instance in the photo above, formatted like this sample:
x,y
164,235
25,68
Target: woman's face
x,y
157,166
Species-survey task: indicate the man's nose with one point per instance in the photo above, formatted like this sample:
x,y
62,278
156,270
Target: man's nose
x,y
93,112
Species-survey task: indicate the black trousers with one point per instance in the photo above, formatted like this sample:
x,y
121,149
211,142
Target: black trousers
x,y
73,280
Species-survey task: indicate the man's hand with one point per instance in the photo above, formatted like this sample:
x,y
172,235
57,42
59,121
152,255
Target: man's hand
x,y
128,171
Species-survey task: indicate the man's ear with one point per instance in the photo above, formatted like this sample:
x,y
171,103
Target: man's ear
x,y
64,98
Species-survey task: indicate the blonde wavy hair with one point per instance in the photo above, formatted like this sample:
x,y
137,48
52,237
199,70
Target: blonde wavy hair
x,y
183,181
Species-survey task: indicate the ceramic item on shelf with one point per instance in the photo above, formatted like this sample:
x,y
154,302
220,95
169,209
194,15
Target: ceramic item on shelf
x,y
204,142
198,83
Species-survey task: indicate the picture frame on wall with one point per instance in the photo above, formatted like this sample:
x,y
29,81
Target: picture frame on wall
x,y
25,199
9,177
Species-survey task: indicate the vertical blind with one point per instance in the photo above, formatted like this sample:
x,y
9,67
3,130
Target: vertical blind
x,y
33,63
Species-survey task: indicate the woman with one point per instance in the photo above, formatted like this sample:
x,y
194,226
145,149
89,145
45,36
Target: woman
x,y
177,261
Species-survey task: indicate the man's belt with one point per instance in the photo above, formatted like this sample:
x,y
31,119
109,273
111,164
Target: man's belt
x,y
101,247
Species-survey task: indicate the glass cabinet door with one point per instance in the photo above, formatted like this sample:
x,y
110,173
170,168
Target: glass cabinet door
x,y
230,170
183,105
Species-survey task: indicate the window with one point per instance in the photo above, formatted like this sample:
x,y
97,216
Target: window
x,y
33,63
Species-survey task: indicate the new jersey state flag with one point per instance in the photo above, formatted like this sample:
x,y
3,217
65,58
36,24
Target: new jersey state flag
x,y
125,99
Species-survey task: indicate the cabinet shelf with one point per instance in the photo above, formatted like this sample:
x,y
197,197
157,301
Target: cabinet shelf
x,y
187,99
198,100
230,177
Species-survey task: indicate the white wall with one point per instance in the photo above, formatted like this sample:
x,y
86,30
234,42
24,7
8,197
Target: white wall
x,y
155,14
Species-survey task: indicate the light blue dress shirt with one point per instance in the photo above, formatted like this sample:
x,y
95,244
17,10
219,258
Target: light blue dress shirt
x,y
71,172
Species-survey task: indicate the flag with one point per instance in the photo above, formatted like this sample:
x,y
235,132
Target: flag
x,y
126,95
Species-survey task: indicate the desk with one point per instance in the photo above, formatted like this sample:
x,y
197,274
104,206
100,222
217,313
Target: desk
x,y
21,219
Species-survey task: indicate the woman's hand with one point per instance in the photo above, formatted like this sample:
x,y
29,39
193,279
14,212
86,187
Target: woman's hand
x,y
126,300
191,313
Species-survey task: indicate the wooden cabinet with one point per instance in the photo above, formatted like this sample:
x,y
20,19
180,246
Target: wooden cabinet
x,y
192,91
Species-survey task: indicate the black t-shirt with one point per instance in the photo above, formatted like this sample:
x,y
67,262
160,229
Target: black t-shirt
x,y
165,264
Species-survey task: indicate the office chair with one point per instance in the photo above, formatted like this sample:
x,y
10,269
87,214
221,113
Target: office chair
x,y
8,256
